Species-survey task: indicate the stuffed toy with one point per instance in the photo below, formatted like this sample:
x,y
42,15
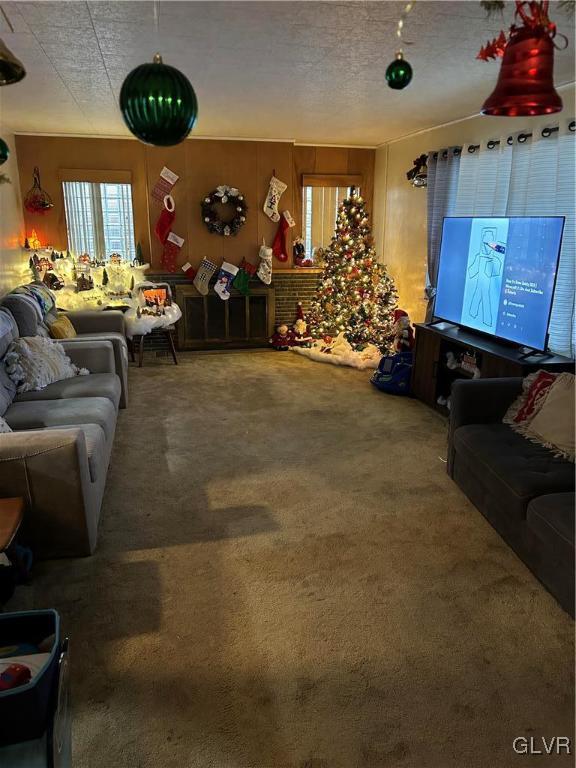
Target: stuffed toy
x,y
403,332
298,251
283,338
300,331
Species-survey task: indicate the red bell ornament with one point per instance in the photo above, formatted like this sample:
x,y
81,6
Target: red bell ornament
x,y
525,84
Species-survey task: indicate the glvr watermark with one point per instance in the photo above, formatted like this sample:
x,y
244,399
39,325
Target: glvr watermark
x,y
540,745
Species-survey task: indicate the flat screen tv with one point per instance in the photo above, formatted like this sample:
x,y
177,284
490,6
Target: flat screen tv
x,y
497,275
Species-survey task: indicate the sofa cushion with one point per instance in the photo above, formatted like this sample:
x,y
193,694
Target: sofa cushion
x,y
96,449
118,342
94,385
513,469
62,328
26,312
551,518
62,413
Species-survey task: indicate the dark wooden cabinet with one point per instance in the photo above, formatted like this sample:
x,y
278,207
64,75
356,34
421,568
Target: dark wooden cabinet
x,y
208,322
432,378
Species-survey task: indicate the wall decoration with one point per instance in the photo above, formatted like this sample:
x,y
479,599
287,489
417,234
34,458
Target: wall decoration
x,y
158,104
399,71
164,185
279,247
172,248
265,267
205,272
234,200
37,200
525,84
166,219
4,152
275,191
224,280
418,175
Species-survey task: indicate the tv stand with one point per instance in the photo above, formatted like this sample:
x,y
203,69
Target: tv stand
x,y
534,353
472,356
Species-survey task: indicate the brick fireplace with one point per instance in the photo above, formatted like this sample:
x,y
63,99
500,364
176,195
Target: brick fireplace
x,y
210,323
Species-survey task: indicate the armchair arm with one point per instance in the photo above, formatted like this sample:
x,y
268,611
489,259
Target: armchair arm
x,y
479,401
86,321
97,356
49,470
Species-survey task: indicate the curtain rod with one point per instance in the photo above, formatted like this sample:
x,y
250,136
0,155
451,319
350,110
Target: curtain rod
x,y
492,143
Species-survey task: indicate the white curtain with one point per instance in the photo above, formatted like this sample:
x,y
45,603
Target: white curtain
x,y
520,175
443,169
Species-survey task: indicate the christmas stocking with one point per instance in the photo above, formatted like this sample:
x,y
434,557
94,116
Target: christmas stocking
x,y
164,184
242,279
205,272
164,223
224,280
275,192
171,250
189,270
279,245
265,268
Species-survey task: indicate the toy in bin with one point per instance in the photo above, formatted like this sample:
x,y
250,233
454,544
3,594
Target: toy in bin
x,y
13,676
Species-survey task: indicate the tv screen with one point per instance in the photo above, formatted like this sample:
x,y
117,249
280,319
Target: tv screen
x,y
497,275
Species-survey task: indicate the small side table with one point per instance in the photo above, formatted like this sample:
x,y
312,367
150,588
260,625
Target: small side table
x,y
138,342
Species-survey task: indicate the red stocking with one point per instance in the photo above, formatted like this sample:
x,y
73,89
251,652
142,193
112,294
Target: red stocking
x,y
171,250
279,245
166,219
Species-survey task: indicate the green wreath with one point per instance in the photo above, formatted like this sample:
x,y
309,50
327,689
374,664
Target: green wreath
x,y
224,195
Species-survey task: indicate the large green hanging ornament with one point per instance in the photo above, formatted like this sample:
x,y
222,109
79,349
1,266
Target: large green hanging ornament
x,y
399,73
158,104
4,151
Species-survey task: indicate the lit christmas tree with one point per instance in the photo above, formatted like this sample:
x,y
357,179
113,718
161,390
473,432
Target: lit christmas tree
x,y
355,295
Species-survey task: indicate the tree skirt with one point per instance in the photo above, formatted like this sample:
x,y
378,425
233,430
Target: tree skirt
x,y
341,353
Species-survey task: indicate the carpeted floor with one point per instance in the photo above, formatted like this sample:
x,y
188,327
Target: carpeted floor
x,y
287,578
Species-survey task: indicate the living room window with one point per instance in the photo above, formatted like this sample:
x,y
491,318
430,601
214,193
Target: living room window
x,y
319,210
99,218
321,196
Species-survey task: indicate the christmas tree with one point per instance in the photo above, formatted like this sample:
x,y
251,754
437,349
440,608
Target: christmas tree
x,y
355,295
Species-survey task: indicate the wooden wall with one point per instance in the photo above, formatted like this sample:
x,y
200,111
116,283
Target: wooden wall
x,y
202,165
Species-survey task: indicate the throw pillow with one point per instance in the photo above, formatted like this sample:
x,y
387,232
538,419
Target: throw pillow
x,y
34,362
62,328
4,426
534,389
553,425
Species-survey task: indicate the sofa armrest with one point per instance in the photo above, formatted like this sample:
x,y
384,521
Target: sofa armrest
x,y
96,321
97,356
49,470
479,401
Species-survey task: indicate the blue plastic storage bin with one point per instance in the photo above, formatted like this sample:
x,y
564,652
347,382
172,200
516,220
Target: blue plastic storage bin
x,y
25,712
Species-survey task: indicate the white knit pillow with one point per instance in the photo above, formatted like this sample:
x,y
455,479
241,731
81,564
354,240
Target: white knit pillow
x,y
33,362
4,426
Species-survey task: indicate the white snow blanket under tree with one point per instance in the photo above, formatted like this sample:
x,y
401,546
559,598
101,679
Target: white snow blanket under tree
x,y
340,352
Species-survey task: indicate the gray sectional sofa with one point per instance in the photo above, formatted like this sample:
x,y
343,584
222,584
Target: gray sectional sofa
x,y
525,492
90,326
57,456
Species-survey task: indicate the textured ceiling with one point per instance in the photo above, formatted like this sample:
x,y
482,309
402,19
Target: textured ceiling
x,y
309,71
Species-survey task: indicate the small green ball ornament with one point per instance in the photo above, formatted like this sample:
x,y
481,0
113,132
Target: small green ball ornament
x,y
158,104
399,73
4,151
